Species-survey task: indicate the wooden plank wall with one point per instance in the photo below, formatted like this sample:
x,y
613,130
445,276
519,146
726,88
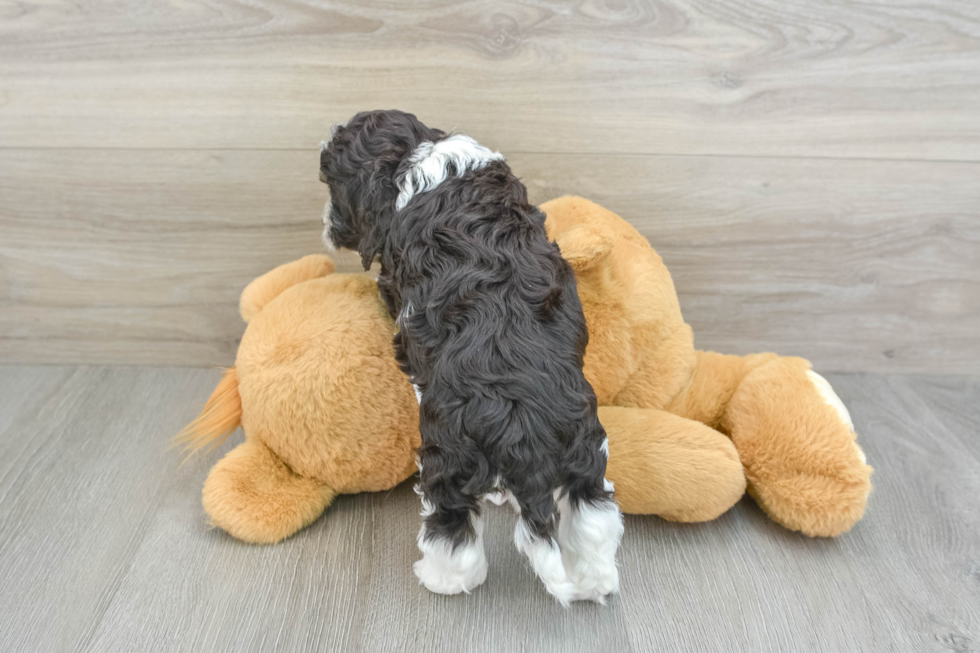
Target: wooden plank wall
x,y
810,171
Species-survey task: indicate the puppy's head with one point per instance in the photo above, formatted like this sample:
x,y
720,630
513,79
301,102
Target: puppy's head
x,y
361,164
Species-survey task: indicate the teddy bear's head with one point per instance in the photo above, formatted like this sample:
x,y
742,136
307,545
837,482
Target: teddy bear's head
x,y
640,350
319,385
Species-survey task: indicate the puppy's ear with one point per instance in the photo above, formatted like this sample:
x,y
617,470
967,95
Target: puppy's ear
x,y
370,247
584,246
377,214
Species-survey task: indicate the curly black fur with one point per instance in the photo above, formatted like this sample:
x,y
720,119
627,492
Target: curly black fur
x,y
492,331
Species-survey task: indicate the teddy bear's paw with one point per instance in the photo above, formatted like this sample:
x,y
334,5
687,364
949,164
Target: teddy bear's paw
x,y
445,570
826,392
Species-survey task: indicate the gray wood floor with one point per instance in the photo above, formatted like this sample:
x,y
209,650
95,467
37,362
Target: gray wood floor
x,y
104,547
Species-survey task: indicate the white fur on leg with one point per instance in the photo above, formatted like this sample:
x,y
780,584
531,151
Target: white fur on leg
x,y
445,570
589,535
545,558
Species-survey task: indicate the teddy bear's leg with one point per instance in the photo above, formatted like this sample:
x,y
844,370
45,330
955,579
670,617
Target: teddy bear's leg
x,y
795,438
666,465
255,497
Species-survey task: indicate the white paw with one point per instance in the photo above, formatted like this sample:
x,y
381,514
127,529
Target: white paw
x,y
564,592
442,579
445,569
597,584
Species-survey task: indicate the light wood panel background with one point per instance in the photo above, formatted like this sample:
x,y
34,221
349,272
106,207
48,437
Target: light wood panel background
x,y
810,171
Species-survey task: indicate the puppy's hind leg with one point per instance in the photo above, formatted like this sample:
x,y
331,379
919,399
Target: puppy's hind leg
x,y
451,542
534,537
591,526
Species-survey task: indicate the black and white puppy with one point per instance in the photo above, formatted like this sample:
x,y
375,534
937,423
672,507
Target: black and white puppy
x,y
492,335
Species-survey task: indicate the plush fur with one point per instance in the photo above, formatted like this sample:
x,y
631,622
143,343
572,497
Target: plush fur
x,y
801,459
321,397
324,430
491,333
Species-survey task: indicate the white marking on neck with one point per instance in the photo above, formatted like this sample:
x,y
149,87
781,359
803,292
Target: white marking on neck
x,y
430,164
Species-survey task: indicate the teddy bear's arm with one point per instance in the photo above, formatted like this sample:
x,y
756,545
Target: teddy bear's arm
x,y
271,284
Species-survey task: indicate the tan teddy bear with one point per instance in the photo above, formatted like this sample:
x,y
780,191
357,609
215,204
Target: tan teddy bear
x,y
326,411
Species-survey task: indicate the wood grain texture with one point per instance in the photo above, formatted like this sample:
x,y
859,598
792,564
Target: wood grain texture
x,y
883,79
808,170
139,256
103,546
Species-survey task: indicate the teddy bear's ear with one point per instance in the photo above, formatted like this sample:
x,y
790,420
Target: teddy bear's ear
x,y
584,246
267,287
